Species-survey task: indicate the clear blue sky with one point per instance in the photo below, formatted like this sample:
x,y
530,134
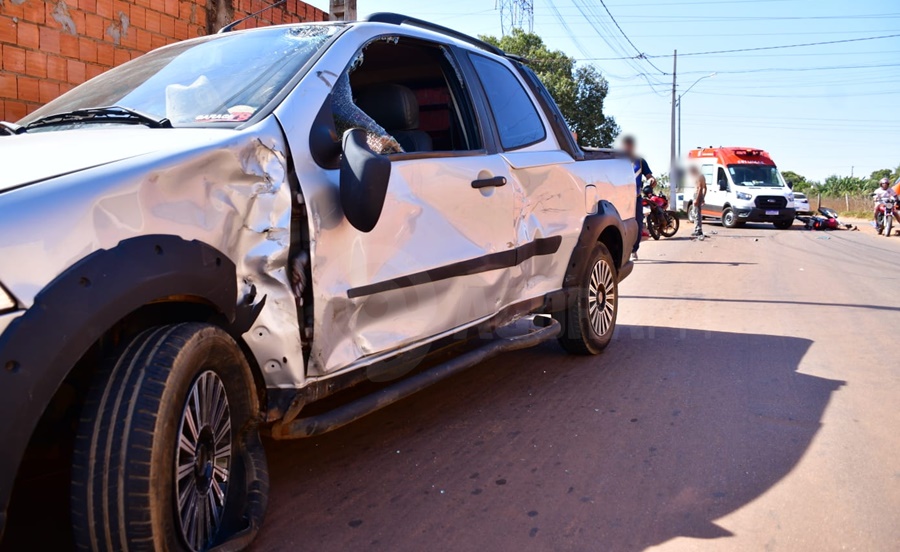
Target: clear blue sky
x,y
814,108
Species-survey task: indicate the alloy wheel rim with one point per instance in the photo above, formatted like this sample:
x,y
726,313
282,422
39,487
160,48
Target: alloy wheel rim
x,y
601,298
203,461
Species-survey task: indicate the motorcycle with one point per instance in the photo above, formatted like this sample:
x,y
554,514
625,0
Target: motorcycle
x,y
660,221
884,215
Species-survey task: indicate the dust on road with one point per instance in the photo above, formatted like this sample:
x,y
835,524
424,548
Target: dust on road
x,y
745,403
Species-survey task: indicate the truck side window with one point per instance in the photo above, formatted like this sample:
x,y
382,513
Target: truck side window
x,y
408,96
517,119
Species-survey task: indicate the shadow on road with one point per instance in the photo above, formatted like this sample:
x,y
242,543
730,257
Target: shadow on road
x,y
658,438
722,263
765,301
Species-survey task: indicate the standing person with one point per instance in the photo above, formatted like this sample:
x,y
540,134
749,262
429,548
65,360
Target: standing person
x,y
641,171
699,198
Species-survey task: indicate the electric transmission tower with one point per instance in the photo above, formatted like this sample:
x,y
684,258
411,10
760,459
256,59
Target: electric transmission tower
x,y
516,14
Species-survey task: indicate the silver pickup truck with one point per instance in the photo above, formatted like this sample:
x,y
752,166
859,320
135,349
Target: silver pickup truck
x,y
203,242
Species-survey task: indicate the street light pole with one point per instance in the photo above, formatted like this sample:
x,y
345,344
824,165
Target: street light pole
x,y
678,104
673,184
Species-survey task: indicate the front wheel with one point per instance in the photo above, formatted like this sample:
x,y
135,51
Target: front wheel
x,y
672,224
589,321
652,226
168,454
888,222
783,224
729,219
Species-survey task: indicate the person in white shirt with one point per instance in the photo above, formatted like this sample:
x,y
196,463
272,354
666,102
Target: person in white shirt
x,y
884,191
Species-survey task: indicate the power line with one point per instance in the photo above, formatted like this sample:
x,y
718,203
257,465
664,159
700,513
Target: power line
x,y
636,49
757,49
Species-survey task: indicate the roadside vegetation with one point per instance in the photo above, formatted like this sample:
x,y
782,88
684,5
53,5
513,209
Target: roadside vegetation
x,y
849,195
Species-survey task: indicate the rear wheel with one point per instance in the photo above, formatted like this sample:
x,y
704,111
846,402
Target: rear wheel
x,y
729,219
168,455
672,224
590,320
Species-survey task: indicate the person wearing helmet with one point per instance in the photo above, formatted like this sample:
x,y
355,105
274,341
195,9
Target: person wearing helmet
x,y
883,192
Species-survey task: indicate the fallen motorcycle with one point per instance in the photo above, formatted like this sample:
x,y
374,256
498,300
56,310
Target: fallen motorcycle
x,y
660,221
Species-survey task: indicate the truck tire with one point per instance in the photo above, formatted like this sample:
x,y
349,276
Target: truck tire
x,y
167,453
590,320
729,219
783,224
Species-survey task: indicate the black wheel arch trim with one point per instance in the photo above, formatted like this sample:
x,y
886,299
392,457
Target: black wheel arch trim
x,y
592,231
72,312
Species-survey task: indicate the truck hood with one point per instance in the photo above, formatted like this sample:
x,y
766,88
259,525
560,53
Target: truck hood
x,y
38,156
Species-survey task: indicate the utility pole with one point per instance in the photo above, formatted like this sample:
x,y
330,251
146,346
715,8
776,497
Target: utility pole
x,y
343,10
673,160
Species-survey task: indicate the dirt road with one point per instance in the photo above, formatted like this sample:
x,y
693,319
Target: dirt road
x,y
749,401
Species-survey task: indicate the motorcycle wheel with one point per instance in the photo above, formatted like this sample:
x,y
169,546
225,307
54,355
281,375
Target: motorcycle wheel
x,y
888,222
652,227
672,224
879,223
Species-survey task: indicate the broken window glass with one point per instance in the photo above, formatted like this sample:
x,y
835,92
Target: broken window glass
x,y
348,116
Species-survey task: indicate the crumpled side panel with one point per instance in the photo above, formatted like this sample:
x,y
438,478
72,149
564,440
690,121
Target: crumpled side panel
x,y
228,190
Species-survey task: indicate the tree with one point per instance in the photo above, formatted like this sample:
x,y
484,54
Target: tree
x,y
579,92
794,180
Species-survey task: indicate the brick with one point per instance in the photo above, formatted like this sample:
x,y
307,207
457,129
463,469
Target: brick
x,y
8,87
68,45
157,41
94,26
105,54
171,7
105,9
32,107
120,56
8,30
48,90
56,68
75,71
49,40
144,3
28,35
181,30
14,9
87,50
138,17
13,111
87,6
28,89
153,21
65,87
94,70
167,25
143,40
36,64
34,12
185,11
13,59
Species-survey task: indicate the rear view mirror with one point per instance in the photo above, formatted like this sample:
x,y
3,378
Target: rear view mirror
x,y
364,181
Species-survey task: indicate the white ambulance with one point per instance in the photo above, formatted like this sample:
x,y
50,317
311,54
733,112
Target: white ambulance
x,y
742,185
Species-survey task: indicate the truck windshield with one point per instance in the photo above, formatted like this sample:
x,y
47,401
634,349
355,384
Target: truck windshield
x,y
756,175
212,81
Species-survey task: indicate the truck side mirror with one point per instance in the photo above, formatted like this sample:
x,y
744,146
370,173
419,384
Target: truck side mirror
x,y
364,181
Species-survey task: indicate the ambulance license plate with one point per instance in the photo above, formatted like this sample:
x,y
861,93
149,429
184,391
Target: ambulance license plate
x,y
772,213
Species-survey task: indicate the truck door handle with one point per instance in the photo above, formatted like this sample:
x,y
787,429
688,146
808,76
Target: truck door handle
x,y
494,182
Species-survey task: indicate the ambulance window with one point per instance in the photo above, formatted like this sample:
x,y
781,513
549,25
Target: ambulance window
x,y
723,178
707,172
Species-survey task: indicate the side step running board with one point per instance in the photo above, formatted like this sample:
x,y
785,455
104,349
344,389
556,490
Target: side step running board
x,y
350,412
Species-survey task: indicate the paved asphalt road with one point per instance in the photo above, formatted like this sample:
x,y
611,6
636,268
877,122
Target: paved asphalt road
x,y
749,401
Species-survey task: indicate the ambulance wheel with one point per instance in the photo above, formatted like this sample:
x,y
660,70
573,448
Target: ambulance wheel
x,y
729,219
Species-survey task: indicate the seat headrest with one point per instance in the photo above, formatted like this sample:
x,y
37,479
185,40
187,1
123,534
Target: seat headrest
x,y
392,106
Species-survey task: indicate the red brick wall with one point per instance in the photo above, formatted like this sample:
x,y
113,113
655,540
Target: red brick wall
x,y
48,47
